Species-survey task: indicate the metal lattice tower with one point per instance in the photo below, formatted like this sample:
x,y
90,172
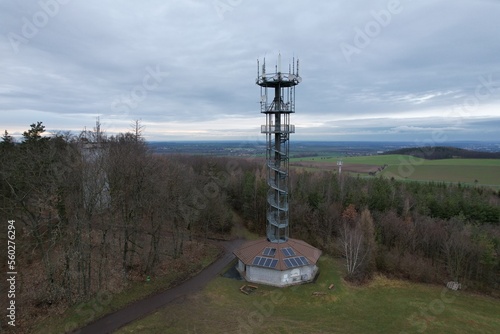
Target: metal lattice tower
x,y
278,130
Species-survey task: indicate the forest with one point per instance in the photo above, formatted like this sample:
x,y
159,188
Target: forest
x,y
95,211
444,152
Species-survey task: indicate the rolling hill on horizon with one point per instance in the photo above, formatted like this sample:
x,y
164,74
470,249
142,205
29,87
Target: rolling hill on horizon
x,y
444,152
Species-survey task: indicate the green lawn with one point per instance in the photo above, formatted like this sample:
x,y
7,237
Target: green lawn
x,y
384,306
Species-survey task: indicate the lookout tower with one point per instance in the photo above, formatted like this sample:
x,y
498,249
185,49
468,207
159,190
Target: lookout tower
x,y
277,110
277,259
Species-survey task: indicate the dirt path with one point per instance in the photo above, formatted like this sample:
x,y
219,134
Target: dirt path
x,y
141,308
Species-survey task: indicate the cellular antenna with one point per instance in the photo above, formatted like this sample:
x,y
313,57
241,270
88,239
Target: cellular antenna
x,y
277,259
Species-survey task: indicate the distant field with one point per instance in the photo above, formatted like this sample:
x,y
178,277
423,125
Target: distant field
x,y
384,306
486,175
404,167
365,160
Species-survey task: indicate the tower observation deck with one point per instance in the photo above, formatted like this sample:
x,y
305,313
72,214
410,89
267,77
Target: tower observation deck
x,y
277,107
277,259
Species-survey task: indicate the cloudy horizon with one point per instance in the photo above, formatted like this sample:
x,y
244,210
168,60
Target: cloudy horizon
x,y
378,71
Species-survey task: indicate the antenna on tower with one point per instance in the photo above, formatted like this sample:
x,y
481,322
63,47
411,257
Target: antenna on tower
x,y
278,260
339,163
278,130
98,129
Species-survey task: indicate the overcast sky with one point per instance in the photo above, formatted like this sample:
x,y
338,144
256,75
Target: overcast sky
x,y
423,71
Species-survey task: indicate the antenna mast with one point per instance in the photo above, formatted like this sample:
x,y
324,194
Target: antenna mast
x,y
278,130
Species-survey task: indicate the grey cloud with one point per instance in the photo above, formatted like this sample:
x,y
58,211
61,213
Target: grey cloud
x,y
88,55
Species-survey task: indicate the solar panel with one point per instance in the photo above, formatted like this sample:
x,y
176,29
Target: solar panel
x,y
268,251
290,262
265,262
296,262
288,251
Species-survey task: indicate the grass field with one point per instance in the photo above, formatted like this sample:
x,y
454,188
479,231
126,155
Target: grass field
x,y
384,306
484,175
403,167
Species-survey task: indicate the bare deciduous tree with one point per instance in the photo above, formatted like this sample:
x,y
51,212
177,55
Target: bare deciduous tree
x,y
358,243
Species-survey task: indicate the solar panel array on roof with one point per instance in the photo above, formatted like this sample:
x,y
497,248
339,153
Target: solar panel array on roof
x,y
268,251
288,251
296,262
265,262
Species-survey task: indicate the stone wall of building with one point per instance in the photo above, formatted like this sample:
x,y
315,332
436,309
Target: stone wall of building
x,y
280,278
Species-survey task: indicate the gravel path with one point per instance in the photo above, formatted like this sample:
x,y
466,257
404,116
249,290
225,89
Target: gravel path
x,y
141,308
